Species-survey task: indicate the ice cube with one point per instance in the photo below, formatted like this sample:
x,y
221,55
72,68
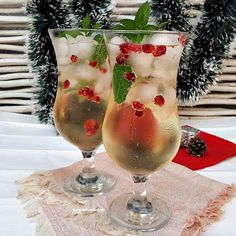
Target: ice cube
x,y
62,61
70,39
103,81
61,47
98,89
102,85
83,47
132,95
166,66
164,39
114,49
147,92
141,63
117,40
86,72
169,106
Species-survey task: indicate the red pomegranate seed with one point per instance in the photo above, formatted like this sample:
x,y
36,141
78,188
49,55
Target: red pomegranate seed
x,y
159,100
66,84
139,113
87,92
74,58
159,50
120,59
125,48
96,99
183,39
148,48
103,69
93,63
135,47
91,127
90,94
130,76
138,106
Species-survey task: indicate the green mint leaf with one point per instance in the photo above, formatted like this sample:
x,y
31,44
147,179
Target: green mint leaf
x,y
100,53
73,34
142,15
120,84
150,27
86,22
128,24
97,26
120,27
162,24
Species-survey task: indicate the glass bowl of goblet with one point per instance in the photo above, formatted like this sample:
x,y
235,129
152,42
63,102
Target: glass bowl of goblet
x,y
141,131
81,102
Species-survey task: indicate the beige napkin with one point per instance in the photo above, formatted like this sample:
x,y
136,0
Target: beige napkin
x,y
196,201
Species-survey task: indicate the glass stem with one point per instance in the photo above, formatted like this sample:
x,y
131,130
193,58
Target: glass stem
x,y
88,174
139,203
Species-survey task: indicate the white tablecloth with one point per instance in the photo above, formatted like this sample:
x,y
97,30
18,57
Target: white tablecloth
x,y
27,146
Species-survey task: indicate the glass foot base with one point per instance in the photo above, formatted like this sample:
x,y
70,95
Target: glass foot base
x,y
152,221
102,184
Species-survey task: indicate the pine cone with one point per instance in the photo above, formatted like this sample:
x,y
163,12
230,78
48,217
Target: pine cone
x,y
197,147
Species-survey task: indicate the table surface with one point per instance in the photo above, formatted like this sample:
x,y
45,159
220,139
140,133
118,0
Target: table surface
x,y
27,146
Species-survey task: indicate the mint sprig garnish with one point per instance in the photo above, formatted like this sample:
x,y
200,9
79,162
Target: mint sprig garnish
x,y
100,53
142,15
120,84
140,22
85,24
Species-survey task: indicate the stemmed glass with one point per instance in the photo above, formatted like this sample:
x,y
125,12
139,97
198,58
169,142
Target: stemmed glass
x,y
141,131
81,102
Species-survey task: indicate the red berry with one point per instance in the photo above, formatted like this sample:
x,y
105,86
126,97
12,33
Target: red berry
x,y
93,63
91,127
96,99
138,113
125,48
90,94
138,106
120,59
159,50
86,92
74,58
159,100
148,48
66,84
103,69
182,39
135,47
130,76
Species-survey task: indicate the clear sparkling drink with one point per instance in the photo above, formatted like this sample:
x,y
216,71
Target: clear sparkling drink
x,y
83,90
81,101
141,130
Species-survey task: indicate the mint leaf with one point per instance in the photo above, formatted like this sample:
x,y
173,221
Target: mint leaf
x,y
128,23
150,27
120,27
73,34
120,84
100,53
142,15
97,26
86,22
162,24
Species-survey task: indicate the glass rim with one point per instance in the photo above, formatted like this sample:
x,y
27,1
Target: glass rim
x,y
51,30
118,31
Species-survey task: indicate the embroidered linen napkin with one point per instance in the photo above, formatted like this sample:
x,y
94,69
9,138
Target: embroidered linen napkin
x,y
195,201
